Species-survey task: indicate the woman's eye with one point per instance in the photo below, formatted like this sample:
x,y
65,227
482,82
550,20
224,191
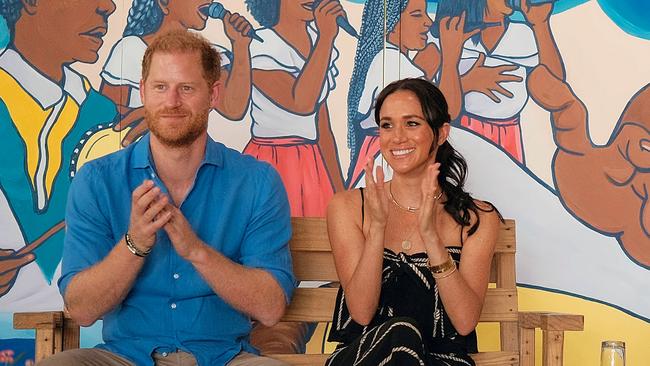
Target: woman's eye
x,y
385,125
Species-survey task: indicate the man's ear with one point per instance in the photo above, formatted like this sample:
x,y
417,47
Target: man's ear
x,y
29,6
215,94
444,133
142,90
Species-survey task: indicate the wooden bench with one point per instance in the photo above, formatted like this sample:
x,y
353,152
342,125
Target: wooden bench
x,y
313,261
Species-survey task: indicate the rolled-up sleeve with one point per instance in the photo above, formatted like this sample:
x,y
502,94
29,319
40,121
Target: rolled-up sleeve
x,y
88,238
266,241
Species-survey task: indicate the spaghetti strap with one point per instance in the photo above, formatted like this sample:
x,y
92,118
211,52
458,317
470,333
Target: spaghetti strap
x,y
362,202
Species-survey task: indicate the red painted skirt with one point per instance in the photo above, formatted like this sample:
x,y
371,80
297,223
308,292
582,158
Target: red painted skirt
x,y
302,169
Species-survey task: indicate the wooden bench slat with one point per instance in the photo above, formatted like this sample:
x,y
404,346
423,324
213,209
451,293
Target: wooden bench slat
x,y
496,358
316,304
314,266
308,236
482,359
311,304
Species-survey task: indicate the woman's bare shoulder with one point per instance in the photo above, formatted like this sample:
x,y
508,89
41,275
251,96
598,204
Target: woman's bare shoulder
x,y
345,203
490,218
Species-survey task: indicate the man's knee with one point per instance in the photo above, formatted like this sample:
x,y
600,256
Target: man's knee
x,y
249,359
84,357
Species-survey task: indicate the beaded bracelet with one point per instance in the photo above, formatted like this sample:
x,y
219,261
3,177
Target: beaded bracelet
x,y
134,249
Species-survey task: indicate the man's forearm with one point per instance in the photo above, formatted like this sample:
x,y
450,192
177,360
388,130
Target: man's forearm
x,y
100,288
252,291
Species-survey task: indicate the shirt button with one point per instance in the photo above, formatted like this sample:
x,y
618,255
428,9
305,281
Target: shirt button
x,y
176,276
164,354
173,305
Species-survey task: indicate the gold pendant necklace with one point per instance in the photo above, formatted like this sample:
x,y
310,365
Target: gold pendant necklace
x,y
407,244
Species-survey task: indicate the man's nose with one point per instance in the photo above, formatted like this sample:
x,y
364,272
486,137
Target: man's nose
x,y
172,98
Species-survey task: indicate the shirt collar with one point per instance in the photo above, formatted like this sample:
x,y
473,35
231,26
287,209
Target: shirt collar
x,y
41,88
142,153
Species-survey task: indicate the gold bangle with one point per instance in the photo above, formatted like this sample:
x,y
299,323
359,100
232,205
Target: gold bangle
x,y
443,267
444,274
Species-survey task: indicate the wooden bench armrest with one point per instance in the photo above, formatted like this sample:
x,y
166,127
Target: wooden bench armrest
x,y
39,320
551,321
55,331
553,326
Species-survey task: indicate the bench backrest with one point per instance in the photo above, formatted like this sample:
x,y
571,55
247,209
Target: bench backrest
x,y
313,261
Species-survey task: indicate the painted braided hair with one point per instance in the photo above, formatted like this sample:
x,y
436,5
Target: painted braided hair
x,y
371,42
145,17
453,168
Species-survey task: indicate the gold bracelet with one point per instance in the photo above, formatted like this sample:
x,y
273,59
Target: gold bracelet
x,y
444,274
443,267
135,250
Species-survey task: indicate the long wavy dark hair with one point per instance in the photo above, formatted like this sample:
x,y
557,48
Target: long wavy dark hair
x,y
453,168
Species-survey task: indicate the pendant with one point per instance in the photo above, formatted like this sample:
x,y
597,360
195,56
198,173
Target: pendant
x,y
406,244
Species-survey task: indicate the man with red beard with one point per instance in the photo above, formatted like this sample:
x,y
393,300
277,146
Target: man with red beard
x,y
177,242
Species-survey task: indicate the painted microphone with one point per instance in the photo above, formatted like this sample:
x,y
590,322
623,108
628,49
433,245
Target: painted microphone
x,y
217,11
516,4
341,21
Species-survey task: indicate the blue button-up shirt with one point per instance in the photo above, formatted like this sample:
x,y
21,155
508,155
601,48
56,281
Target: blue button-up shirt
x,y
237,205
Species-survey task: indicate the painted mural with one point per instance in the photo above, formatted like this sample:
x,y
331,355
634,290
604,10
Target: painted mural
x,y
550,101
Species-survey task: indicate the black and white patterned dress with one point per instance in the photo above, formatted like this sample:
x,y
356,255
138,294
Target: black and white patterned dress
x,y
411,326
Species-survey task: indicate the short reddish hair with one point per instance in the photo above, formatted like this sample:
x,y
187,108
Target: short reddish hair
x,y
185,41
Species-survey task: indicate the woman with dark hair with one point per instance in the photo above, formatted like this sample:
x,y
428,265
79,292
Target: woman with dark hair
x,y
407,296
384,55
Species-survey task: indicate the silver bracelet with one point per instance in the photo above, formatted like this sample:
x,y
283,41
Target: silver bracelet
x,y
133,248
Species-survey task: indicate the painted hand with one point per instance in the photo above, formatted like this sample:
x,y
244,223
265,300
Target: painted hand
x,y
488,79
236,28
134,119
453,36
325,15
10,263
536,14
605,186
